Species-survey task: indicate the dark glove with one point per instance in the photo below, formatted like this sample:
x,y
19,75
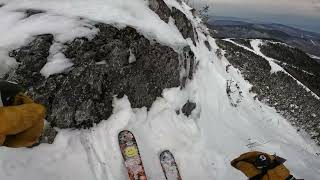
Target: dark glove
x,y
8,92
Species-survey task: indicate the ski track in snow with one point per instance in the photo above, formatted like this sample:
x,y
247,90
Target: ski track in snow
x,y
203,144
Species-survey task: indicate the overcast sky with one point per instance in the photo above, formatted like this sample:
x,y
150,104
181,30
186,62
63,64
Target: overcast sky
x,y
301,13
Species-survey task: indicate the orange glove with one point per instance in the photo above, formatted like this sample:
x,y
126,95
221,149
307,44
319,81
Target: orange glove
x,y
262,166
21,124
22,99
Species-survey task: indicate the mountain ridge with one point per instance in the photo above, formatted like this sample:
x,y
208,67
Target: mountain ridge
x,y
305,40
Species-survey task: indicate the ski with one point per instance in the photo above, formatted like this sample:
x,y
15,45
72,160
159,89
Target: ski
x,y
169,166
131,156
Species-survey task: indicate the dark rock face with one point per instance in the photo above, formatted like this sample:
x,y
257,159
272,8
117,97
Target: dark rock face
x,y
278,90
208,45
234,93
188,108
161,8
32,58
181,20
187,63
296,62
183,24
48,135
84,95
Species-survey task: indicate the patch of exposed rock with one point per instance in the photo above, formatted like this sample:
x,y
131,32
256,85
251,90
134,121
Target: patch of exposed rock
x,y
188,108
183,24
160,7
180,19
84,95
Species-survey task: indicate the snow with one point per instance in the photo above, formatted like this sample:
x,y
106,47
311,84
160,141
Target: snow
x,y
256,49
6,62
203,144
314,43
134,13
57,62
16,31
314,57
132,57
274,66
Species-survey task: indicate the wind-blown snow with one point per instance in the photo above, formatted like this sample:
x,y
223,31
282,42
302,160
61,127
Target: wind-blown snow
x,y
314,57
203,144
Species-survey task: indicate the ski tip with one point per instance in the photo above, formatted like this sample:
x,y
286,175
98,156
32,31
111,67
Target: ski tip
x,y
165,153
124,132
125,135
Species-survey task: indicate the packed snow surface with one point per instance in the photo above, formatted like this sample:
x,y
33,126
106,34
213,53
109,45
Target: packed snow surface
x,y
203,144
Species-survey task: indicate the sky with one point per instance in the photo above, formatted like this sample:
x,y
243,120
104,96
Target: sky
x,y
304,14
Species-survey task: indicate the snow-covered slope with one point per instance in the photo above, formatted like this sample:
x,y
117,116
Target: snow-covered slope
x,y
256,43
203,144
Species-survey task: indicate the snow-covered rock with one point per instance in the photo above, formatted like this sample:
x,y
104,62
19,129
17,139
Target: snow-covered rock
x,y
176,62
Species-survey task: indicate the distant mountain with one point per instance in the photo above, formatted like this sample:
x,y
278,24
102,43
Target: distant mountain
x,y
242,28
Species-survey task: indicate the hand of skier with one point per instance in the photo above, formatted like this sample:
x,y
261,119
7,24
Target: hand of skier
x,y
22,122
262,166
20,99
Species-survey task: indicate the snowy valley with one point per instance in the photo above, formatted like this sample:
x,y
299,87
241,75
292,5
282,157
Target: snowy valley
x,y
152,67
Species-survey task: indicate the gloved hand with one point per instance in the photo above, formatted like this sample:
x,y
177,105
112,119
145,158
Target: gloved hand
x,y
20,99
261,166
21,123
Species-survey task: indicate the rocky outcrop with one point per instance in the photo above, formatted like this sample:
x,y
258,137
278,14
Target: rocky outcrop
x,y
32,58
278,90
113,64
188,108
84,95
180,19
183,24
160,7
